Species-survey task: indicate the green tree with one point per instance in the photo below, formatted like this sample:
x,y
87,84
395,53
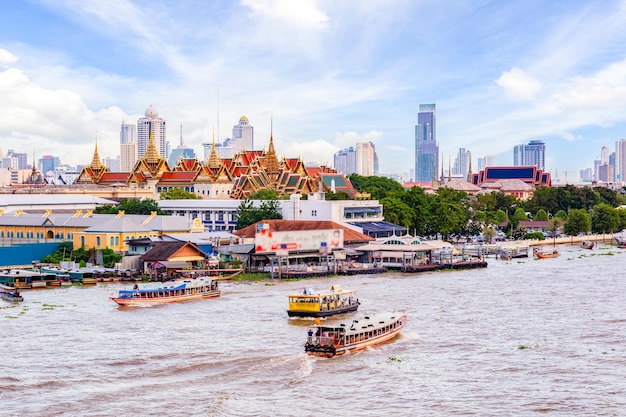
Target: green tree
x,y
397,212
577,222
604,219
248,214
264,194
377,187
501,216
448,219
541,215
561,215
340,195
179,194
488,234
110,258
131,206
519,215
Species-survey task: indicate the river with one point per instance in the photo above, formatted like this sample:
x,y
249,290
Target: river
x,y
520,337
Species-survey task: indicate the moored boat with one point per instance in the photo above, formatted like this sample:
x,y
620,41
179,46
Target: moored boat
x,y
322,304
329,341
586,244
85,277
544,254
168,292
10,293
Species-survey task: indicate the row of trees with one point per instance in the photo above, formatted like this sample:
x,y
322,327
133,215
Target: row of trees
x,y
453,213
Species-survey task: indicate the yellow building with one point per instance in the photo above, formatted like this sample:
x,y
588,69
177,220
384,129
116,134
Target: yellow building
x,y
87,229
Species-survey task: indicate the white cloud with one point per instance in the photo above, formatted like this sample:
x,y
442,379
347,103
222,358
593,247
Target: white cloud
x,y
518,85
7,58
297,13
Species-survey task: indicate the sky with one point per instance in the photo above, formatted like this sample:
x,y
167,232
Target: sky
x,y
319,76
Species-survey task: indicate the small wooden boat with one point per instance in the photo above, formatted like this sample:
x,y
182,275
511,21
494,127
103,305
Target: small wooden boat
x,y
322,304
165,293
544,254
329,341
10,293
586,244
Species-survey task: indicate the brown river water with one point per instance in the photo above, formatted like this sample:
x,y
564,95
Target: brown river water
x,y
521,337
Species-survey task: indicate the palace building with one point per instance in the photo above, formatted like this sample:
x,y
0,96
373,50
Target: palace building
x,y
217,178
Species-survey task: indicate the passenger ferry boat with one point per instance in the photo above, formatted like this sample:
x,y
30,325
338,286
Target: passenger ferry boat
x,y
327,303
10,293
165,293
328,341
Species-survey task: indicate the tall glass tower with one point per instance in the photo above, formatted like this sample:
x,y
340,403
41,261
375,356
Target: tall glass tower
x,y
426,148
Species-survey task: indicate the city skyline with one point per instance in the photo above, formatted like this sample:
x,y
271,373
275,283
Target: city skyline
x,y
306,72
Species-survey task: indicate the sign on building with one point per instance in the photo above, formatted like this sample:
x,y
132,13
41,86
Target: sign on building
x,y
267,241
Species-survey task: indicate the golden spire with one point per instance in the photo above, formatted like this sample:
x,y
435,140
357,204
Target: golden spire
x,y
152,154
214,160
271,160
96,163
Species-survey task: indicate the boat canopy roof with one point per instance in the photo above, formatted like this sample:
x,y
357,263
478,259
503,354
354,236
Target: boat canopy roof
x,y
334,290
365,324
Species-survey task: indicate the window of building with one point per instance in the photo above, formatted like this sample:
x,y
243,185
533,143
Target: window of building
x,y
82,240
98,241
313,213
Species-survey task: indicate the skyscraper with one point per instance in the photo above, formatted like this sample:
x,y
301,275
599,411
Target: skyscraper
x,y
462,163
128,147
365,157
486,161
532,154
426,148
180,152
242,138
151,120
345,161
620,161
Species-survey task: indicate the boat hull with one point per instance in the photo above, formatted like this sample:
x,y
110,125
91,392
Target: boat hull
x,y
323,313
134,302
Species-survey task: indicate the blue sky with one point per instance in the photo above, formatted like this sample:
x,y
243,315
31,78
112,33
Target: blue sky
x,y
327,73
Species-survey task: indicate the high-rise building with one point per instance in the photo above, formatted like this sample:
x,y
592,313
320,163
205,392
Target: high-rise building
x,y
365,156
462,163
21,157
112,163
243,135
426,148
242,139
180,152
486,161
128,147
153,122
620,161
532,154
128,133
48,163
345,161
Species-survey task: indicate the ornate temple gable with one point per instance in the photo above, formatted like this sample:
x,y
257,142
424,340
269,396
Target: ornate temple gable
x,y
152,165
92,173
136,178
191,164
298,167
